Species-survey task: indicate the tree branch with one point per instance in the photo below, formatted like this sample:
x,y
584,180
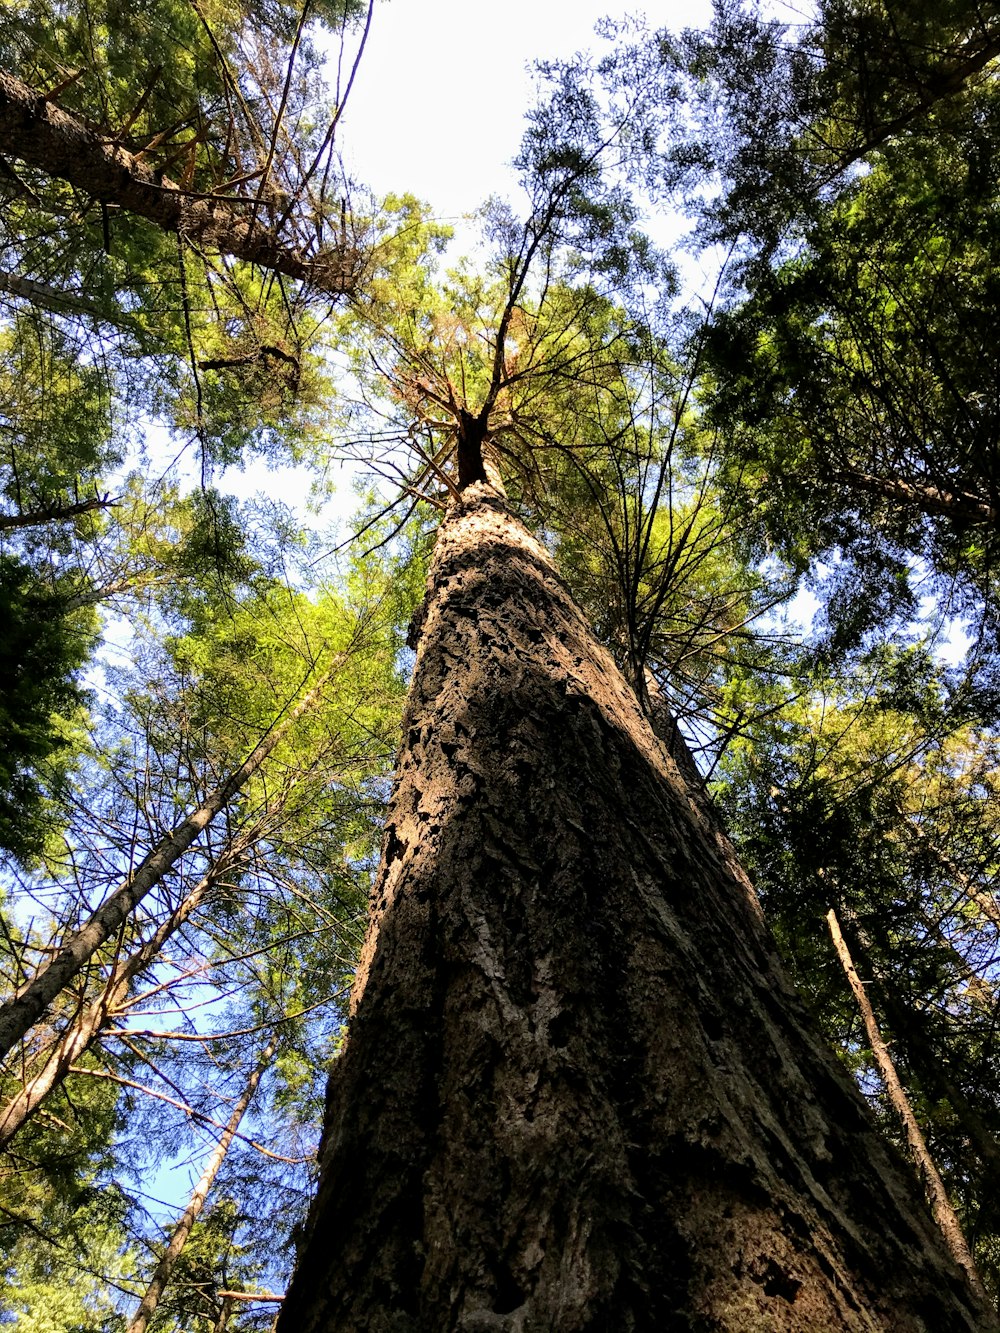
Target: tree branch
x,y
950,79
56,512
36,132
961,505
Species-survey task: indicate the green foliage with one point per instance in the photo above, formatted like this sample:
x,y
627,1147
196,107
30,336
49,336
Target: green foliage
x,y
229,630
49,1296
226,354
854,385
42,705
873,794
63,1220
55,415
836,421
213,1257
850,371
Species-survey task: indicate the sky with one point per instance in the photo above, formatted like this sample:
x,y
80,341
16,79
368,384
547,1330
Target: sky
x,y
438,103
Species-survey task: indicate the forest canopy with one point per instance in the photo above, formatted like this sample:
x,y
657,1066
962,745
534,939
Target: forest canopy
x,y
773,491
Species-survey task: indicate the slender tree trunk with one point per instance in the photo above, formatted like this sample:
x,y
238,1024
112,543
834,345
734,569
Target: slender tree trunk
x,y
955,70
922,1055
578,1092
943,1212
962,506
161,1275
36,131
19,1014
87,1027
46,297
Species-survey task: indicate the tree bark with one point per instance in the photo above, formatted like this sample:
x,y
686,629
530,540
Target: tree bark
x,y
578,1092
57,512
44,296
960,506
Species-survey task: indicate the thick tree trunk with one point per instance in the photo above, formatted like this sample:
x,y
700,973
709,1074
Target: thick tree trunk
x,y
578,1092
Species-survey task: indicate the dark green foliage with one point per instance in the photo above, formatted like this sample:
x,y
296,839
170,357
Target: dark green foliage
x,y
857,386
838,419
874,795
42,649
852,375
64,1219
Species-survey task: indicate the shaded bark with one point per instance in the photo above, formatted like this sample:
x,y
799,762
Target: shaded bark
x,y
472,435
578,1092
37,132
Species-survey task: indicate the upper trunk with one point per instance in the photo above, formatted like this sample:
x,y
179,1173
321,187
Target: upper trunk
x,y
578,1092
472,435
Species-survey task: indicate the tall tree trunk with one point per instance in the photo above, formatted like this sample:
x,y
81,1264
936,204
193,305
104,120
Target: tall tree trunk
x,y
915,1038
578,1092
178,1238
922,1056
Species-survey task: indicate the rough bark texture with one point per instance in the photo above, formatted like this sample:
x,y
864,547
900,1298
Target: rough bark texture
x,y
578,1092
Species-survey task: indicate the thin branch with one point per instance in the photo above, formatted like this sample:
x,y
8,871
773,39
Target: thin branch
x,y
187,1109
